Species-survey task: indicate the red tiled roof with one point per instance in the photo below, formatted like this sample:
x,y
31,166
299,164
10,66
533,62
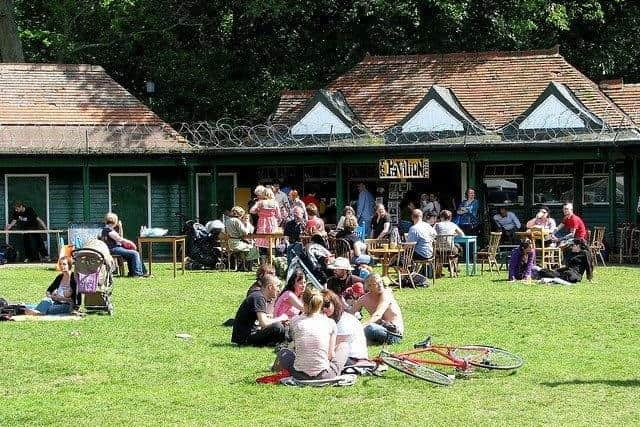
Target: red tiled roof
x,y
39,99
494,87
625,95
291,101
61,94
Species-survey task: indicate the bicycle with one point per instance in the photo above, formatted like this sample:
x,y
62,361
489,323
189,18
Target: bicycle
x,y
463,359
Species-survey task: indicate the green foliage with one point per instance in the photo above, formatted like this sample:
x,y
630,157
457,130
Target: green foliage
x,y
579,343
213,58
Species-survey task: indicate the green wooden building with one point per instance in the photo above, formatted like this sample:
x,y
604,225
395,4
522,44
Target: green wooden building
x,y
523,127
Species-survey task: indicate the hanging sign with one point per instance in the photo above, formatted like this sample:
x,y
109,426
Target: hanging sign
x,y
403,168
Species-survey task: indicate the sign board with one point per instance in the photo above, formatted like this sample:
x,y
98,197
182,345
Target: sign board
x,y
403,168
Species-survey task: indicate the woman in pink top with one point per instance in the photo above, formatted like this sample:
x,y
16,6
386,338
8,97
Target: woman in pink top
x,y
315,224
289,301
269,218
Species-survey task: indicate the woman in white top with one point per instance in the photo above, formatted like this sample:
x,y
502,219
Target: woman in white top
x,y
348,211
542,220
446,226
350,330
315,355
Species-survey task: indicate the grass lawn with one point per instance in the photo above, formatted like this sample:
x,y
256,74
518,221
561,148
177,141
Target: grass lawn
x,y
580,344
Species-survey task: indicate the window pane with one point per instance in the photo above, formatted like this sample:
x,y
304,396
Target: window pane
x,y
505,190
596,190
552,190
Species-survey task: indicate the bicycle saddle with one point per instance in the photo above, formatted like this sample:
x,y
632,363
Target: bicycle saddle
x,y
423,344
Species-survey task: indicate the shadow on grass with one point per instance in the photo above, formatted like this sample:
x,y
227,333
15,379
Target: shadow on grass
x,y
612,383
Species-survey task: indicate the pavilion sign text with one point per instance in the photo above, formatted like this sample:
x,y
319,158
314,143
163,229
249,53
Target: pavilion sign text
x,y
403,168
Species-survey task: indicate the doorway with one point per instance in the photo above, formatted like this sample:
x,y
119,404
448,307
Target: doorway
x,y
33,191
226,185
130,199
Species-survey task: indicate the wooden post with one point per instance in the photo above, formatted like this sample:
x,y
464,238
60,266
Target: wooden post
x,y
578,191
339,190
613,207
86,193
191,193
633,193
214,192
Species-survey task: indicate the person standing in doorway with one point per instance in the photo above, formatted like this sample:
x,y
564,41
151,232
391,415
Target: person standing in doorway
x,y
365,207
26,218
467,213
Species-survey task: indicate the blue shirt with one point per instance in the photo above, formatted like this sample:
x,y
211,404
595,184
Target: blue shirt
x,y
509,222
365,206
424,235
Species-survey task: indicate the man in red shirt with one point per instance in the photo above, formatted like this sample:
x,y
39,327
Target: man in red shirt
x,y
573,223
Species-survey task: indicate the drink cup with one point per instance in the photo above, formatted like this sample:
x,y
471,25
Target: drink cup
x,y
385,246
393,245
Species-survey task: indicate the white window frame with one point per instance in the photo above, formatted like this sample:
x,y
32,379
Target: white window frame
x,y
551,176
148,175
506,176
6,199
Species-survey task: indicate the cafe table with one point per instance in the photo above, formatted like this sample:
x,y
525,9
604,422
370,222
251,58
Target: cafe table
x,y
386,254
469,254
271,238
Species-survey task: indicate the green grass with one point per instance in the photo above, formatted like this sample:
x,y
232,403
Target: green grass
x,y
580,344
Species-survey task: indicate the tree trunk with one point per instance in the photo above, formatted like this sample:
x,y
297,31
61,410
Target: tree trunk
x,y
10,46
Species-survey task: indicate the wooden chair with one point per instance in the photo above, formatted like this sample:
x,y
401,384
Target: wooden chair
x,y
229,254
443,249
404,266
596,245
372,244
343,249
549,257
489,254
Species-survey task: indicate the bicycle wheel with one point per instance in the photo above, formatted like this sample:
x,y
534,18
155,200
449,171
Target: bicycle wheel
x,y
489,357
416,370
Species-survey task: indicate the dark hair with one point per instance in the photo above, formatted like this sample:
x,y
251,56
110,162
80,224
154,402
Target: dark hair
x,y
525,244
297,273
545,207
445,215
329,296
318,239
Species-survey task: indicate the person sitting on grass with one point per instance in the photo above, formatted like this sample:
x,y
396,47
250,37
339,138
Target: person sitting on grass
x,y
350,329
342,282
261,272
385,326
522,261
289,301
316,355
578,261
61,294
253,324
120,246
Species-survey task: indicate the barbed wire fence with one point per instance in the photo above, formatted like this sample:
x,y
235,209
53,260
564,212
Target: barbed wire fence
x,y
611,127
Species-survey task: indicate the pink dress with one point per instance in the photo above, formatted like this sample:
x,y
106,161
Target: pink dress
x,y
283,306
268,221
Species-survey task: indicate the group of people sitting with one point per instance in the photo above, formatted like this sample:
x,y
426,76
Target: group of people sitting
x,y
318,330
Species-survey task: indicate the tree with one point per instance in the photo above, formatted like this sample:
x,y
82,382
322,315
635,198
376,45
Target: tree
x,y
10,46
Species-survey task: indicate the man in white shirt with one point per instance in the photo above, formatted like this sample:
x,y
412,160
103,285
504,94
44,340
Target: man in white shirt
x,y
423,234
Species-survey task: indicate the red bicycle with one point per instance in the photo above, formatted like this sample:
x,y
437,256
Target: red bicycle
x,y
463,359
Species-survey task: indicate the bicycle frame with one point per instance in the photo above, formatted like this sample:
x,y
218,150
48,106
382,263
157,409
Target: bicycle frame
x,y
444,351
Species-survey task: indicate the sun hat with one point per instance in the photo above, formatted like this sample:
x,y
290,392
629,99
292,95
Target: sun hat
x,y
340,263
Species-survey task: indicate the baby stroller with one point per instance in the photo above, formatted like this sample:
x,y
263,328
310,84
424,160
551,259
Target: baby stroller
x,y
309,266
203,245
94,280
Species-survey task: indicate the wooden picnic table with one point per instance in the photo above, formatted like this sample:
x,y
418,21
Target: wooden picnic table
x,y
271,238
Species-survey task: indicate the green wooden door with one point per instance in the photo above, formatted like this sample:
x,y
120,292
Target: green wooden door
x,y
32,191
226,196
129,195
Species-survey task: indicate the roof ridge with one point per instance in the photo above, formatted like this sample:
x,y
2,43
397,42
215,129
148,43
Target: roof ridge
x,y
457,56
42,66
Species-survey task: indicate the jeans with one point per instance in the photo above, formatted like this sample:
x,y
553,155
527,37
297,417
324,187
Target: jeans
x,y
136,268
378,334
48,306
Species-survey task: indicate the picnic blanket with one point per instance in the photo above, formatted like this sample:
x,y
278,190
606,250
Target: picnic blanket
x,y
49,318
339,381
